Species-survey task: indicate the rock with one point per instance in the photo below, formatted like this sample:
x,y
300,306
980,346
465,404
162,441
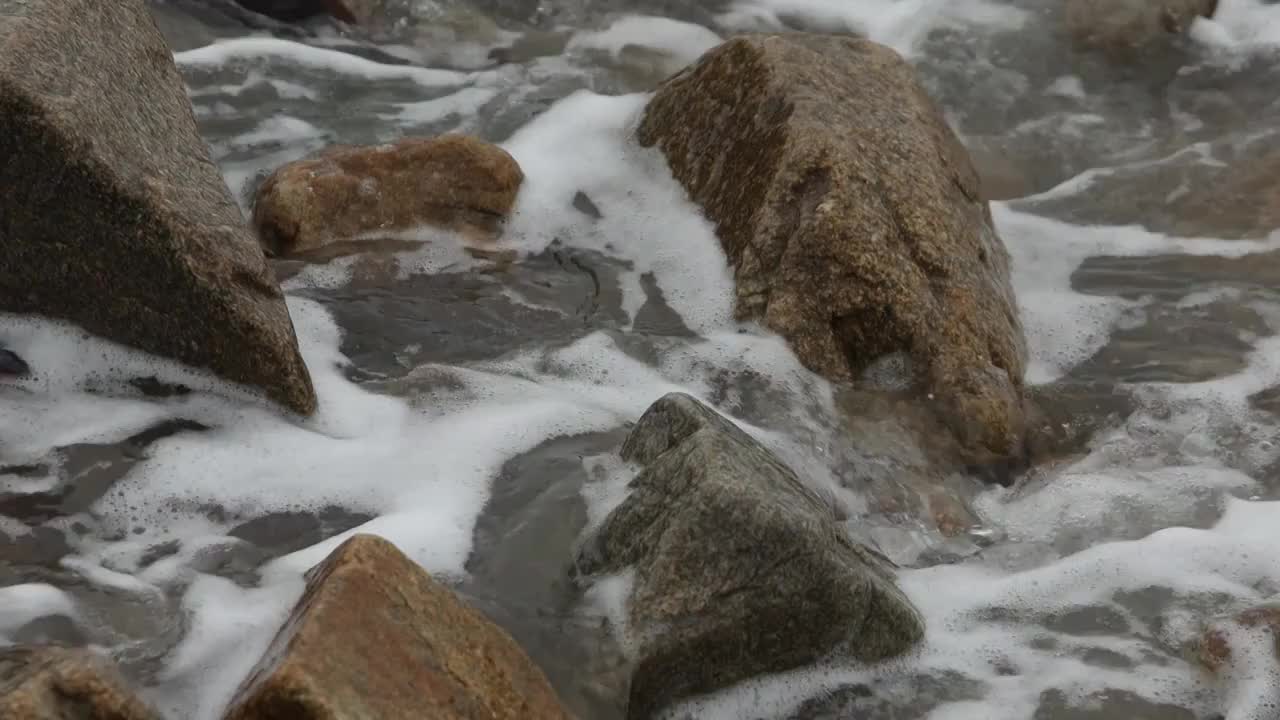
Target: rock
x,y
740,569
12,365
1230,190
1123,27
852,217
54,683
153,252
350,11
1243,652
374,636
348,193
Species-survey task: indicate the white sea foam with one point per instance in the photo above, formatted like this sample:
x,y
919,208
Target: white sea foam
x,y
681,42
900,24
250,49
1089,535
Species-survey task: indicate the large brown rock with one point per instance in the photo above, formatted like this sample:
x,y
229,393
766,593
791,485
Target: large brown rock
x,y
374,637
852,217
52,683
113,216
740,568
348,193
1123,28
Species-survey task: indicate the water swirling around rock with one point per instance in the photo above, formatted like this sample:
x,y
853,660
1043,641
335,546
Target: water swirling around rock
x,y
472,404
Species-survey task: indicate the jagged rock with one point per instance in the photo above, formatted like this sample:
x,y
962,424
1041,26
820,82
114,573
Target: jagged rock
x,y
113,216
348,193
1124,27
740,569
54,683
374,636
853,219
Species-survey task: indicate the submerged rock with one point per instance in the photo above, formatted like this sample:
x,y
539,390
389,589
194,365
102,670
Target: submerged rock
x,y
740,569
374,636
114,217
12,365
53,683
1243,652
1124,27
352,11
853,219
347,193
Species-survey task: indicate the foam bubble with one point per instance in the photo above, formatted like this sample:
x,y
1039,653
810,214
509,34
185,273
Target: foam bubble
x,y
681,42
247,49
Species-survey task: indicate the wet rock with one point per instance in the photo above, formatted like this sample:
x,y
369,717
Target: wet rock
x,y
345,193
1122,27
52,683
374,636
12,365
1231,640
1228,189
852,217
740,569
351,11
92,107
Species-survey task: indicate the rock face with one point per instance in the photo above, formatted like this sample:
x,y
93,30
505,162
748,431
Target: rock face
x,y
1124,27
740,569
113,215
375,637
51,683
347,193
852,217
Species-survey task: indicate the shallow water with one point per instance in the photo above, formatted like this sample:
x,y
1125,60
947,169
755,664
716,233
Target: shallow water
x,y
471,405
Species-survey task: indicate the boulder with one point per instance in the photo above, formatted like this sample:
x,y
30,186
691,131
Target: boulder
x,y
740,569
1122,28
113,216
374,636
348,193
853,219
54,683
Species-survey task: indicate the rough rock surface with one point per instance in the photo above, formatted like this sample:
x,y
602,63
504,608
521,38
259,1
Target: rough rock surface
x,y
375,637
1124,27
153,252
348,193
53,683
852,217
739,568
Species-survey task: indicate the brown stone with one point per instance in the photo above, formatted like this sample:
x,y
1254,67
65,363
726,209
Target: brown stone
x,y
375,637
113,216
1124,27
348,193
852,218
53,683
1214,650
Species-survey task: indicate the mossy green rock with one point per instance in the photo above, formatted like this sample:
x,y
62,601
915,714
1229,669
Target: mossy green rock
x,y
740,568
